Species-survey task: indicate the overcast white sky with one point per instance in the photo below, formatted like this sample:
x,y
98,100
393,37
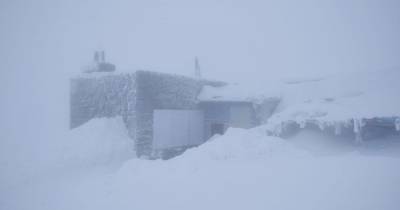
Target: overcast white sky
x,y
43,42
242,37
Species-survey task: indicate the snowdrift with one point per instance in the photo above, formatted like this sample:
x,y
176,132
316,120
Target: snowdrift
x,y
241,169
98,141
239,143
245,169
100,144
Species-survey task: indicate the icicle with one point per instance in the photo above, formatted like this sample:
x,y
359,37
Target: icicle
x,y
356,125
278,130
358,129
302,124
321,126
338,128
397,124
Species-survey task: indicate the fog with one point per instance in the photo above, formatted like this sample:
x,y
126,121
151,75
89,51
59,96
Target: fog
x,y
43,43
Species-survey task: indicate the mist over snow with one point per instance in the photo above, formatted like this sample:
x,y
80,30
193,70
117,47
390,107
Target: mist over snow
x,y
305,52
243,168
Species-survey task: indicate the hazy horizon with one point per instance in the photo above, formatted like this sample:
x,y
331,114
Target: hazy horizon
x,y
43,43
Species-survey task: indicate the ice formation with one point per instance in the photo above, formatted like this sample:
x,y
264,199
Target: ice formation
x,y
326,105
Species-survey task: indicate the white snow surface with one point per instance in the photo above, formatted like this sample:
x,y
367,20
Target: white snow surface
x,y
98,142
239,143
243,169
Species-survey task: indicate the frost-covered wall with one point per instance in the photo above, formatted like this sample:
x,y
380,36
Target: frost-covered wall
x,y
101,95
162,91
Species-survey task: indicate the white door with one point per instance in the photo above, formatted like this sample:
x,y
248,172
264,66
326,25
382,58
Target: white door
x,y
177,128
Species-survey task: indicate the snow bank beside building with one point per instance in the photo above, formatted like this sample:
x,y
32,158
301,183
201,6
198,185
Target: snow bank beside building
x,y
242,169
48,176
97,141
239,143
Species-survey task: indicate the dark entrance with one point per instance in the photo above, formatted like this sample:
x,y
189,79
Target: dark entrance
x,y
217,128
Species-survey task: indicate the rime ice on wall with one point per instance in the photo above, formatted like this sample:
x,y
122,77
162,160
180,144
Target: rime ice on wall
x,y
133,96
397,124
359,129
162,91
106,96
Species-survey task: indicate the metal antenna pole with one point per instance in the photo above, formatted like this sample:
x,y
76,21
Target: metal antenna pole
x,y
197,70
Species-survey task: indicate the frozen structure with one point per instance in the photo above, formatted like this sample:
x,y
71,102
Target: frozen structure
x,y
358,129
360,107
164,114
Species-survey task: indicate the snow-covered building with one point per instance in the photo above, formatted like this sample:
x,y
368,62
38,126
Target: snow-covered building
x,y
357,107
165,114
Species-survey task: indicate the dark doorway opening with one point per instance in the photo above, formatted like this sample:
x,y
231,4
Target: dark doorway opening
x,y
217,128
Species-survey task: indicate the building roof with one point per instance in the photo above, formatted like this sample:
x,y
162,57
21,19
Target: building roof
x,y
234,93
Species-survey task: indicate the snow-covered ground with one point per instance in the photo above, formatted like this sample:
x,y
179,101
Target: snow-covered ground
x,y
24,174
243,169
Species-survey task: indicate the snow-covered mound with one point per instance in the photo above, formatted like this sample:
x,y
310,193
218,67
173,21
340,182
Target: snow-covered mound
x,y
99,143
339,99
236,171
99,140
239,143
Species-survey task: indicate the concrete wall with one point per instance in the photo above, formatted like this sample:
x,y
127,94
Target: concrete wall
x,y
162,91
93,96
